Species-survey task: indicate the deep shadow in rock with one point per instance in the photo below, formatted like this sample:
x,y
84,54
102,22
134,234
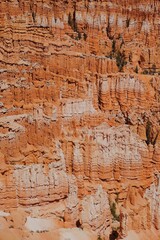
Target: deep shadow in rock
x,y
78,224
113,235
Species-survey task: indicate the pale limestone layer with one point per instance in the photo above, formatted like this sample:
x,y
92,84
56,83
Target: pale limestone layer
x,y
76,134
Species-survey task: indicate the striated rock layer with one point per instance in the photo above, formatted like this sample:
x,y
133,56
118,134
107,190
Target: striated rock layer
x,y
79,120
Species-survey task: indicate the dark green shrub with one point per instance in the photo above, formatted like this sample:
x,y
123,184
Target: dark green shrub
x,y
113,211
153,69
99,237
145,72
118,55
120,60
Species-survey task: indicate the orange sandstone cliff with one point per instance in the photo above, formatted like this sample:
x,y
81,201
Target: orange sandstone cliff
x,y
79,120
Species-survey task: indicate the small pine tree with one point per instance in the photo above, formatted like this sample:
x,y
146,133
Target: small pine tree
x,y
121,60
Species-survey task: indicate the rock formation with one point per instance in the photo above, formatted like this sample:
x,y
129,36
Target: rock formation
x,y
79,119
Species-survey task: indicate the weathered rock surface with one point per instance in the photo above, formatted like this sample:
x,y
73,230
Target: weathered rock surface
x,y
79,119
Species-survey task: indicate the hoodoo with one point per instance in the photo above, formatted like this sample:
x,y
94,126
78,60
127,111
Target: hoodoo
x,y
79,120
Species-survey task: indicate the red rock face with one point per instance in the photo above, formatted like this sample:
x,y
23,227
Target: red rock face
x,y
79,119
